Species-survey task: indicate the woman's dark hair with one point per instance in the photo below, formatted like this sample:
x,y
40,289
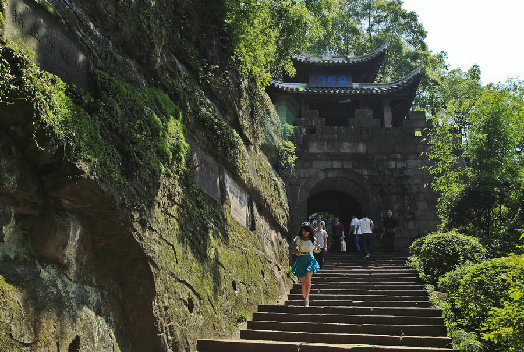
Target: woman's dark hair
x,y
307,227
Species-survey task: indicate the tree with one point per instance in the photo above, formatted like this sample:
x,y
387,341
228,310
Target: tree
x,y
475,145
265,33
363,25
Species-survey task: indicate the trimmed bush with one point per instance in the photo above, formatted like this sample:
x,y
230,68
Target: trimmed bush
x,y
505,326
485,298
440,252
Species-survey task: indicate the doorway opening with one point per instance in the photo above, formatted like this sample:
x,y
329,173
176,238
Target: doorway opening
x,y
330,204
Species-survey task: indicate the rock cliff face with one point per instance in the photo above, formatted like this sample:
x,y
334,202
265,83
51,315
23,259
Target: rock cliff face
x,y
137,211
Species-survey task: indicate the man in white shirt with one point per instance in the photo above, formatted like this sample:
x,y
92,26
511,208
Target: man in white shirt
x,y
355,232
321,236
366,226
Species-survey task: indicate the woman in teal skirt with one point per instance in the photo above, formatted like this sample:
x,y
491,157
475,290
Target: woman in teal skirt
x,y
306,264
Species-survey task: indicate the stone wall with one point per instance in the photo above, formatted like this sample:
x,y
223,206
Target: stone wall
x,y
115,239
379,168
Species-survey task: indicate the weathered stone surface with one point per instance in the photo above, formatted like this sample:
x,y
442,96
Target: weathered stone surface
x,y
379,169
206,172
238,200
102,265
55,48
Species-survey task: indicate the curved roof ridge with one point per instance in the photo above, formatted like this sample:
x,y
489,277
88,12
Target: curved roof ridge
x,y
346,59
415,72
357,88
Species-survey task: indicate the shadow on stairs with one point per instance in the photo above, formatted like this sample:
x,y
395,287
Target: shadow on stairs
x,y
356,304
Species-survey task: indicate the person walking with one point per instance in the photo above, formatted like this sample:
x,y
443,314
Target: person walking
x,y
306,264
355,233
366,227
319,219
338,233
321,237
390,228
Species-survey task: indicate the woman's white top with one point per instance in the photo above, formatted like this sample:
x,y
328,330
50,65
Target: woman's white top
x,y
304,246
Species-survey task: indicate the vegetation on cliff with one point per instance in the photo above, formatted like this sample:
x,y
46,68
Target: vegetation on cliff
x,y
177,70
132,141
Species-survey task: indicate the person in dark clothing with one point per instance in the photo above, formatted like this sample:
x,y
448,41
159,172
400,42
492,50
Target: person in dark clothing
x,y
390,228
338,234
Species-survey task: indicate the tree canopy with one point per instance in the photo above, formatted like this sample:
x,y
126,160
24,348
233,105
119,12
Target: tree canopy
x,y
476,139
476,149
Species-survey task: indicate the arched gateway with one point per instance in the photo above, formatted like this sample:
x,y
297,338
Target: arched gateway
x,y
358,145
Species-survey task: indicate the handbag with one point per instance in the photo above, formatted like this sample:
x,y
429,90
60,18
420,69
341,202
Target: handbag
x,y
342,246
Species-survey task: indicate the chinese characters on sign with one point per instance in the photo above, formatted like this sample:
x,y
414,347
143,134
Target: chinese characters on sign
x,y
330,80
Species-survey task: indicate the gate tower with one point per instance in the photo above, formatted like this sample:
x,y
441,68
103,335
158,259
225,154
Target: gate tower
x,y
358,144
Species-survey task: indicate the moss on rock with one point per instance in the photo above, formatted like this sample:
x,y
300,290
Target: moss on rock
x,y
208,271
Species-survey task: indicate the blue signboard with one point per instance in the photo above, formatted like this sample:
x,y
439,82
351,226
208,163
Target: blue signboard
x,y
330,80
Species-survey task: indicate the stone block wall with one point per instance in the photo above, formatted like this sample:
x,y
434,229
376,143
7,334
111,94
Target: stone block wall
x,y
379,167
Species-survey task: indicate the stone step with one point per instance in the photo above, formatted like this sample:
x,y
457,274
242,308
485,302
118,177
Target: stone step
x,y
360,264
356,297
365,261
375,304
366,273
338,338
364,285
363,291
349,319
359,255
366,328
349,273
340,303
367,278
315,311
365,270
347,268
282,346
361,259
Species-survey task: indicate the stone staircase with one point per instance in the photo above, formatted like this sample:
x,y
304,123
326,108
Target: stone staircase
x,y
376,304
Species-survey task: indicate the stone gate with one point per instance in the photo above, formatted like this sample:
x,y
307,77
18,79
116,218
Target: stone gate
x,y
358,144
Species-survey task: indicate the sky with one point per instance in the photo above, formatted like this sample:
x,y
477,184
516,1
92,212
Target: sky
x,y
483,32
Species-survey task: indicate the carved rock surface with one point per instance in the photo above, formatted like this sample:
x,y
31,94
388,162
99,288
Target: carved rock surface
x,y
112,239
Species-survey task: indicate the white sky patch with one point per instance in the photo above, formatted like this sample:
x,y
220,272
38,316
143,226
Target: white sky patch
x,y
483,32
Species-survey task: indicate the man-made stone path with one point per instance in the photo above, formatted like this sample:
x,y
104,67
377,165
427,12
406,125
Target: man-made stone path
x,y
376,304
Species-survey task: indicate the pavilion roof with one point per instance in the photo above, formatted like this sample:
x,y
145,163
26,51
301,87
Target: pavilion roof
x,y
343,60
406,84
401,92
364,68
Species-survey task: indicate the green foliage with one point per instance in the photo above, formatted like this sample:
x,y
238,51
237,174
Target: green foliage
x,y
265,32
363,25
475,149
55,112
441,252
478,292
466,341
145,126
505,325
289,274
128,137
462,340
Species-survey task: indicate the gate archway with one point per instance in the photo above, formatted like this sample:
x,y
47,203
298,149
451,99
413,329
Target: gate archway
x,y
334,202
336,191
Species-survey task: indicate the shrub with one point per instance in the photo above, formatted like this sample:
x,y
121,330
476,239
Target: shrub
x,y
485,298
466,341
505,326
440,252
